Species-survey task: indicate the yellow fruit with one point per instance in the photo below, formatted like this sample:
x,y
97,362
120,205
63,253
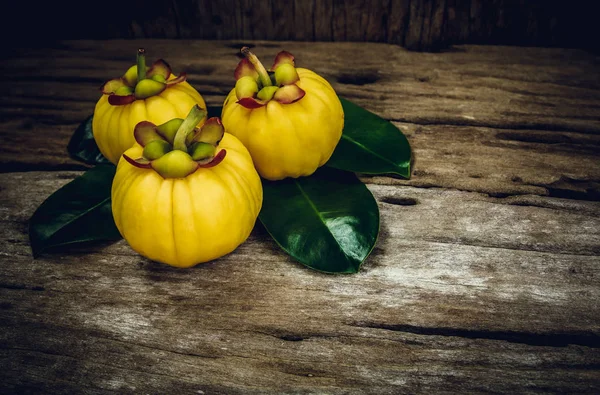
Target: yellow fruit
x,y
286,137
113,125
155,95
186,221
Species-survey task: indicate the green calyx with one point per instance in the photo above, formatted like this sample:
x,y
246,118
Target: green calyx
x,y
156,148
148,88
174,164
169,129
201,151
286,74
255,86
246,87
140,82
177,148
267,93
124,91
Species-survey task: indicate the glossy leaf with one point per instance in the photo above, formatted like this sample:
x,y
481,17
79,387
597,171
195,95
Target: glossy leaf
x,y
78,212
328,221
82,145
370,144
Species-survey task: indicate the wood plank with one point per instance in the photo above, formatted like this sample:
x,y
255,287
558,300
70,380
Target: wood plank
x,y
399,14
323,20
304,15
475,85
457,25
463,293
514,119
503,162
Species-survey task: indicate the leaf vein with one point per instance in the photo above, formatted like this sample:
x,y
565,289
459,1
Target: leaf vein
x,y
370,151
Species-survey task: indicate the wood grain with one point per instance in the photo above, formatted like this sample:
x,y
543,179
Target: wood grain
x,y
492,296
498,120
485,277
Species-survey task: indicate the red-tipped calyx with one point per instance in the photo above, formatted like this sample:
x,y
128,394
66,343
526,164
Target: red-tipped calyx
x,y
140,82
211,132
114,85
251,103
117,100
255,87
159,69
216,160
283,57
182,77
145,132
245,68
141,162
289,94
178,148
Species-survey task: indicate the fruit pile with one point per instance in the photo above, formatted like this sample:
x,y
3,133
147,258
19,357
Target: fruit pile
x,y
188,188
186,191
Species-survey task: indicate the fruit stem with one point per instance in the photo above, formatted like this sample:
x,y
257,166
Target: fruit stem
x,y
263,75
187,126
141,64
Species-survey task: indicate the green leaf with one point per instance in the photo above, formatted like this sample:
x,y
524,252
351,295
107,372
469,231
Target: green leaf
x,y
328,221
370,144
78,212
82,145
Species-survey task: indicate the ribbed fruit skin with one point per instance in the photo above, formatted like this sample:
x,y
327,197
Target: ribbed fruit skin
x,y
186,221
289,140
113,125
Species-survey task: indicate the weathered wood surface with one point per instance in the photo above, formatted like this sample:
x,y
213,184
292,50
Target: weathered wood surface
x,y
414,24
493,297
485,278
498,120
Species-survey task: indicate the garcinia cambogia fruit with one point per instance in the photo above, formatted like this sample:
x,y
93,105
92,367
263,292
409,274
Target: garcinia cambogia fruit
x,y
143,93
184,195
289,118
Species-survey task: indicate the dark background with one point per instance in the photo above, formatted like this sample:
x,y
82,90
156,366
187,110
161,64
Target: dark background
x,y
426,25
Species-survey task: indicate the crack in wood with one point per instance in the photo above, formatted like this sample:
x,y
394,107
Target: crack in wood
x,y
292,338
595,251
548,205
19,286
591,194
399,201
78,358
510,126
565,339
546,138
572,188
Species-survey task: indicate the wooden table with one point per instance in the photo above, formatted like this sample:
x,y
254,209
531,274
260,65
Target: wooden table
x,y
485,278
